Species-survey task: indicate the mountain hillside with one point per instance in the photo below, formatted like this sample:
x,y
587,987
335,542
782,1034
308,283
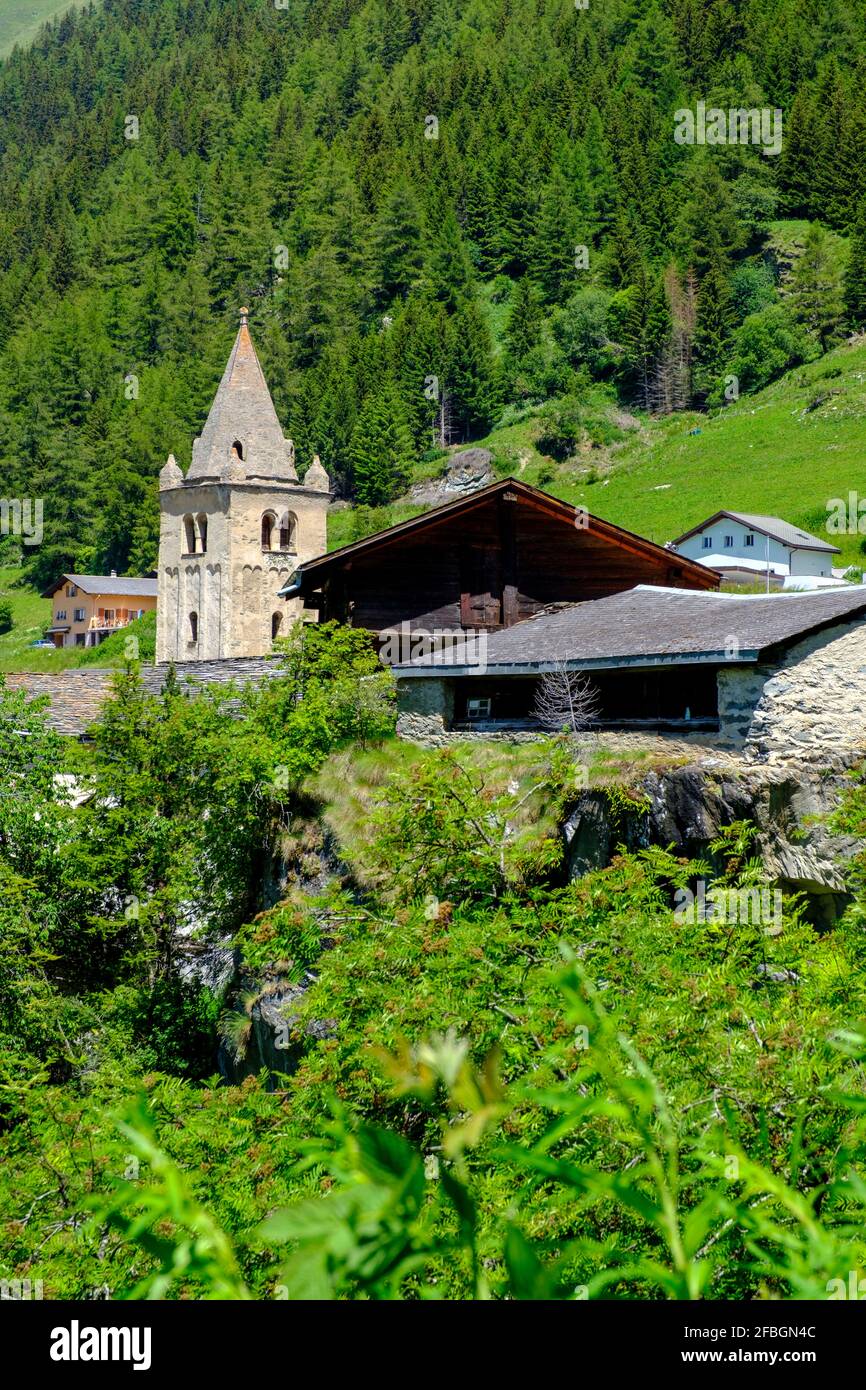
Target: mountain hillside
x,y
788,450
443,216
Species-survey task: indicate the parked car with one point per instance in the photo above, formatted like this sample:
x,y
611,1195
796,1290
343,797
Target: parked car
x,y
43,646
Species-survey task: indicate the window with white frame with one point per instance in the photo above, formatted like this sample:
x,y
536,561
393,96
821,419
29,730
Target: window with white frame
x,y
478,708
750,539
729,542
708,542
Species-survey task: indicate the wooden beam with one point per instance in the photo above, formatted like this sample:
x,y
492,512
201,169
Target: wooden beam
x,y
508,539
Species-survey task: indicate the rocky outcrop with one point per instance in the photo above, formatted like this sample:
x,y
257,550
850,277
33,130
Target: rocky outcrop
x,y
467,471
687,807
260,1029
265,1033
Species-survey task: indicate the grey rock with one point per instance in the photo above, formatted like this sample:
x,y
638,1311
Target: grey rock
x,y
466,472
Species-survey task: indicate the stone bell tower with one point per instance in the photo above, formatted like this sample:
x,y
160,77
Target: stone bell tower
x,y
233,530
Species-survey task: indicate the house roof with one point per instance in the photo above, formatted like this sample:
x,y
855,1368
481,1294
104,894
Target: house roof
x,y
76,696
650,626
310,575
772,526
118,586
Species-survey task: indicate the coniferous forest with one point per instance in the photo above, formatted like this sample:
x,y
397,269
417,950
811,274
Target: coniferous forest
x,y
292,1008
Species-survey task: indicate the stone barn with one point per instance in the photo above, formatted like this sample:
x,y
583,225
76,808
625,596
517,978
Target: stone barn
x,y
770,674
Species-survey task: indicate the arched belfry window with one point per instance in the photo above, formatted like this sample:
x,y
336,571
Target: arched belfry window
x,y
269,522
193,628
201,527
276,624
238,448
289,532
188,536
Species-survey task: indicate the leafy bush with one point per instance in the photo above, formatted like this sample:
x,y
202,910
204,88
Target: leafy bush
x,y
767,344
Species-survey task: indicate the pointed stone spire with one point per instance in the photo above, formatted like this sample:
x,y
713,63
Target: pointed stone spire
x,y
316,477
170,475
242,418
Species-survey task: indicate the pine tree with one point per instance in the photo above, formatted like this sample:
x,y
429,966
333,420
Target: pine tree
x,y
713,326
816,288
558,232
449,268
418,355
855,274
796,163
601,171
525,321
640,323
471,381
380,451
175,227
397,254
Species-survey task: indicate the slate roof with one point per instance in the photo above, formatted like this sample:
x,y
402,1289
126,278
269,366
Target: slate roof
x,y
772,526
116,585
648,626
243,411
77,695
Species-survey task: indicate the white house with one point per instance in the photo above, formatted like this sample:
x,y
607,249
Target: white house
x,y
744,547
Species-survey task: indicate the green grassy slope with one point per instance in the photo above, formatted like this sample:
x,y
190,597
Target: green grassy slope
x,y
20,20
784,451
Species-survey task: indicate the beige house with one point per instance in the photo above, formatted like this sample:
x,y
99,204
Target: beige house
x,y
234,530
86,608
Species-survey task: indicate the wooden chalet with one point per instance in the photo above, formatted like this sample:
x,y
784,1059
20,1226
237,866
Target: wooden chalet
x,y
486,561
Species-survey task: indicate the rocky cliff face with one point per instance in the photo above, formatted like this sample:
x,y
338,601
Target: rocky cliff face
x,y
687,807
265,1036
264,1006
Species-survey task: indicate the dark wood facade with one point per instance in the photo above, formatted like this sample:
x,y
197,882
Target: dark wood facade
x,y
487,561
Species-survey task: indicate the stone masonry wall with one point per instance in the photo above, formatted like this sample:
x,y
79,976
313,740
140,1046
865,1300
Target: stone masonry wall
x,y
813,703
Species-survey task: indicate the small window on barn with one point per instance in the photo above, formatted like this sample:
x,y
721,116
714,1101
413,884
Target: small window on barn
x,y
193,629
729,542
276,624
201,526
750,539
478,708
188,536
269,521
708,542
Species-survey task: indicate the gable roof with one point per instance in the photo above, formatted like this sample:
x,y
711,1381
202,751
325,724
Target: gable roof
x,y
309,575
650,626
95,584
243,411
772,526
